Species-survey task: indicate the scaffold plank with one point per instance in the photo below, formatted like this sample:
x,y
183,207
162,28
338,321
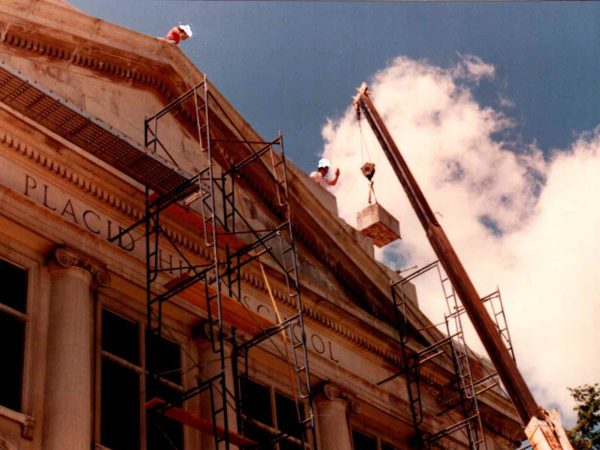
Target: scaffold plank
x,y
87,132
198,422
193,219
233,312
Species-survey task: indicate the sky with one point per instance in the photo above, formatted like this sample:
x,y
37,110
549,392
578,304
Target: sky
x,y
495,107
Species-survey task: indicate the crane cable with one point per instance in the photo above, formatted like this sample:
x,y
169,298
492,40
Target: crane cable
x,y
367,168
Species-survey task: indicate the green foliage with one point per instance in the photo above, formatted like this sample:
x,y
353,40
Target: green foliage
x,y
586,434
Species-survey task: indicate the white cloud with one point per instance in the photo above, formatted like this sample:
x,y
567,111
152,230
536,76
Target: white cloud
x,y
516,220
473,68
505,102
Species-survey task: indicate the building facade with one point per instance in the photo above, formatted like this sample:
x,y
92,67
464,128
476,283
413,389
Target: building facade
x,y
79,361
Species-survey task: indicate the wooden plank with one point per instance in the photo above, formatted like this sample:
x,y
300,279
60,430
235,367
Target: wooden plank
x,y
187,216
198,422
175,281
232,311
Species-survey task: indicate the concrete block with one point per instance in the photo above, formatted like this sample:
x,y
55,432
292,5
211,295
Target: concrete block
x,y
378,224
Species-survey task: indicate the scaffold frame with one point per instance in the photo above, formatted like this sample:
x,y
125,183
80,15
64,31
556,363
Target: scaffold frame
x,y
454,347
232,243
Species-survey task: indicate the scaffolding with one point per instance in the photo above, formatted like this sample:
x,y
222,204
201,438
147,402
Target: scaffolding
x,y
453,346
210,201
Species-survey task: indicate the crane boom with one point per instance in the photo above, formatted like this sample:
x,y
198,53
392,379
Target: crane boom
x,y
506,367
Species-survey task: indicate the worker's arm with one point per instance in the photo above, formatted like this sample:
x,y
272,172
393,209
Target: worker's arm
x,y
174,36
335,180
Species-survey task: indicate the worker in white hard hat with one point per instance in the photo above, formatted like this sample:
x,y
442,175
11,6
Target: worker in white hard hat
x,y
320,175
179,33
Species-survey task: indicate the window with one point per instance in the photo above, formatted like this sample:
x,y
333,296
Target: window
x,y
13,321
126,384
270,415
361,441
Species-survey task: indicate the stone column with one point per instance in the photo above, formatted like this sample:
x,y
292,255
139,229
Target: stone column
x,y
332,408
210,366
69,367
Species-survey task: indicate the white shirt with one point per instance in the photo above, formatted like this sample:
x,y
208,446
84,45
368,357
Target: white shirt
x,y
319,179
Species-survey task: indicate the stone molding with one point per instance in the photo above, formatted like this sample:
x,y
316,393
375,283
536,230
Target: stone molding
x,y
67,174
5,445
64,258
332,392
88,187
117,67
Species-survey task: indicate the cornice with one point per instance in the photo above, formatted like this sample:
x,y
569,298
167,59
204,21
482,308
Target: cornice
x,y
89,188
67,174
25,34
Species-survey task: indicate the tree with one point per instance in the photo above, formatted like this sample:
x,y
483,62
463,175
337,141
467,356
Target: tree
x,y
586,433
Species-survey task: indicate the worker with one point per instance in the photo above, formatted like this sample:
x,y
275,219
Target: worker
x,y
320,175
179,33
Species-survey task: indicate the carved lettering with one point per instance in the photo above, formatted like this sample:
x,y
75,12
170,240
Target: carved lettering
x,y
128,247
320,345
296,332
53,208
30,182
68,209
162,261
331,354
92,220
131,245
181,269
317,344
85,215
265,308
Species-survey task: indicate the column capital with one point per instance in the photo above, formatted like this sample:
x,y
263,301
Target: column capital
x,y
332,392
65,257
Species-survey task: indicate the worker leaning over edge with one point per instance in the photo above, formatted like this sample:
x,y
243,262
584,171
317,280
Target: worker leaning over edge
x,y
178,34
320,175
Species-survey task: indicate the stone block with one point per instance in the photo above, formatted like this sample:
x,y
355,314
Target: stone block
x,y
378,224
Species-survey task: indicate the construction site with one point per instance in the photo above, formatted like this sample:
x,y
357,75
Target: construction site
x,y
175,282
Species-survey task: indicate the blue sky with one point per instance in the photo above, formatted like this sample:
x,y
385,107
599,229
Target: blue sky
x,y
290,65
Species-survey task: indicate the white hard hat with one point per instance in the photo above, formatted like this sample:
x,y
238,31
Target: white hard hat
x,y
323,162
187,29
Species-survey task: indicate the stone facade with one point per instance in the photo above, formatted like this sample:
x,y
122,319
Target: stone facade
x,y
60,206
